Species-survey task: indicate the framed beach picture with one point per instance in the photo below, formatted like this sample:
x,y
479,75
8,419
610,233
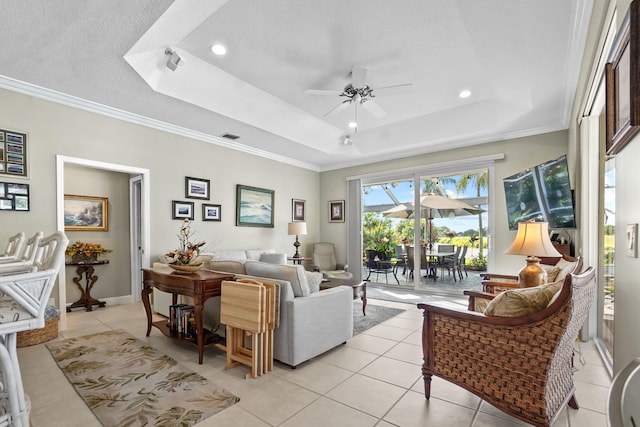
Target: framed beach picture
x,y
254,206
297,210
196,188
86,213
181,210
336,211
211,212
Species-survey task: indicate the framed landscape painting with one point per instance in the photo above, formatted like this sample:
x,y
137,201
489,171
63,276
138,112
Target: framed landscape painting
x,y
196,188
86,213
254,206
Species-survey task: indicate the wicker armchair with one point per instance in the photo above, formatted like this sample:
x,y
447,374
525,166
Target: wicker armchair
x,y
521,365
496,283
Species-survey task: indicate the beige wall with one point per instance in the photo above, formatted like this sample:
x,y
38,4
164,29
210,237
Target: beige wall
x,y
518,153
54,129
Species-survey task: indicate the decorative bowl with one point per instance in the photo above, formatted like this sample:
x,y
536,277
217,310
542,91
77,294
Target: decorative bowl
x,y
190,268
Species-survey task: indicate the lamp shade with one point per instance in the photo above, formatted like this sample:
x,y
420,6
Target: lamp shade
x,y
533,239
297,228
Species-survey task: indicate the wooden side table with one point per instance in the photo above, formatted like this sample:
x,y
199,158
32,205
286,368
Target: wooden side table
x,y
298,260
200,285
86,269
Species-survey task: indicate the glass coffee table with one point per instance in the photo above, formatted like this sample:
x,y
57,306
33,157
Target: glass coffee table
x,y
359,288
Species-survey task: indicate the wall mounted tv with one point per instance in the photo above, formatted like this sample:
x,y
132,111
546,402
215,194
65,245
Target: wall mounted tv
x,y
542,193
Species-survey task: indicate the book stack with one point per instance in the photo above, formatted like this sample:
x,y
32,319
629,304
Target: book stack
x,y
182,321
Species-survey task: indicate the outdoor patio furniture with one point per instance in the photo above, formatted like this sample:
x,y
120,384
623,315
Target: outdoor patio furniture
x,y
450,263
462,262
375,264
522,365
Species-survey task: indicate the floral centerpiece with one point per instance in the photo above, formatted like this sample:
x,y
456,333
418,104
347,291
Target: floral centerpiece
x,y
83,251
187,253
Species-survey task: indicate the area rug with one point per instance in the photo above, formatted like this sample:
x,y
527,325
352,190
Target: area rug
x,y
126,382
375,314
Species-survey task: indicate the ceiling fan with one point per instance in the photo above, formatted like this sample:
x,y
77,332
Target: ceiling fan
x,y
358,92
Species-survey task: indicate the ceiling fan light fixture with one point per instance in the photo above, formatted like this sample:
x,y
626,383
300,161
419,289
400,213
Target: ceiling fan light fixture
x,y
352,125
218,49
464,93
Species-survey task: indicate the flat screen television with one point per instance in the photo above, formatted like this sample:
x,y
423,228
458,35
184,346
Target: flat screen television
x,y
542,193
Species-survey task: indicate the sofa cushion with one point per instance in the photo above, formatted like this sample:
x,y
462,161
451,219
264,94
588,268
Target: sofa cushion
x,y
314,278
273,258
565,267
523,301
228,266
294,274
254,254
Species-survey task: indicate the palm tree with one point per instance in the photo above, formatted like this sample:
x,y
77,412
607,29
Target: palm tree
x,y
480,180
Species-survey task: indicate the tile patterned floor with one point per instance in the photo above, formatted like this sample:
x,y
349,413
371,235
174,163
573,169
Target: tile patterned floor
x,y
373,380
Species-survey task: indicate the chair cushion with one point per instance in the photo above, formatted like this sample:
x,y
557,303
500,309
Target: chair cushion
x,y
523,301
273,258
294,274
11,311
552,272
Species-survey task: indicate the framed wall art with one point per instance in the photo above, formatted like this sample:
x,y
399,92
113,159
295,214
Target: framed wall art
x,y
14,196
196,188
211,212
86,213
254,206
13,153
181,210
297,210
623,83
336,211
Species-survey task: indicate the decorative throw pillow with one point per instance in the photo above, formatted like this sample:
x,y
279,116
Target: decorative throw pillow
x,y
274,258
552,272
314,279
521,302
565,267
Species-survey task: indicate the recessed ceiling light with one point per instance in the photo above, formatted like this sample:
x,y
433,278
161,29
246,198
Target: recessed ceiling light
x,y
465,94
218,49
353,125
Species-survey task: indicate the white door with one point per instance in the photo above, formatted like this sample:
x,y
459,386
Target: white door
x,y
136,240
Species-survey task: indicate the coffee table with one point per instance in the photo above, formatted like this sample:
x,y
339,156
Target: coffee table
x,y
359,288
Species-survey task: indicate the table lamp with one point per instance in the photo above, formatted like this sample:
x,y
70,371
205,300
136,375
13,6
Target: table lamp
x,y
297,228
533,240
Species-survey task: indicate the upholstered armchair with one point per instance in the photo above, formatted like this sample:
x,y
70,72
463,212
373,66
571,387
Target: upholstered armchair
x,y
324,260
557,269
523,364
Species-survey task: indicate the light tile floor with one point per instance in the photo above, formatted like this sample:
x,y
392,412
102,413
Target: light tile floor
x,y
373,380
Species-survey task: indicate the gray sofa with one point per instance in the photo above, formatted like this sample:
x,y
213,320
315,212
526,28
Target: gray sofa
x,y
311,321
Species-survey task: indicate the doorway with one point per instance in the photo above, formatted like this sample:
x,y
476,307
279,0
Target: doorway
x,y
139,213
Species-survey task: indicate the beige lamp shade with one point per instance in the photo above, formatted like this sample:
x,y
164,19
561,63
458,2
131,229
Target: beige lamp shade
x,y
297,228
533,240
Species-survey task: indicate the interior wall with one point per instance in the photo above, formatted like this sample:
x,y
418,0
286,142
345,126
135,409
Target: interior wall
x,y
519,154
55,129
114,278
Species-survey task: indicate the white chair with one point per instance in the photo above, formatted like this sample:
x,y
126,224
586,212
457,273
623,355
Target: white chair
x,y
25,260
23,299
624,397
324,260
13,247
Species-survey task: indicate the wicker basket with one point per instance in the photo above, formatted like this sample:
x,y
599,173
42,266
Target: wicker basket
x,y
38,336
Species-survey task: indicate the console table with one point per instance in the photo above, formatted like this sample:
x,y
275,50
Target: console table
x,y
200,285
86,269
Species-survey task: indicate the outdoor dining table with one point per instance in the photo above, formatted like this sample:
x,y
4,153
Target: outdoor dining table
x,y
432,259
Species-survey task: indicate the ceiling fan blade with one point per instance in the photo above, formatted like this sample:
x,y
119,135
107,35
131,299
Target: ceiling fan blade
x,y
358,76
322,92
338,108
373,108
392,90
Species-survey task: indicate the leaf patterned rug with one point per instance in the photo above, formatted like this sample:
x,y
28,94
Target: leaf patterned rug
x,y
375,314
126,382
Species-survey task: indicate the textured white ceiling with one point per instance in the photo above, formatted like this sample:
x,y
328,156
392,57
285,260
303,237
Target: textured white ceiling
x,y
519,58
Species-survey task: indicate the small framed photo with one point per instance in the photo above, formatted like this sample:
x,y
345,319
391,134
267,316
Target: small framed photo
x,y
182,210
211,212
6,204
86,213
297,210
632,240
336,211
196,188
